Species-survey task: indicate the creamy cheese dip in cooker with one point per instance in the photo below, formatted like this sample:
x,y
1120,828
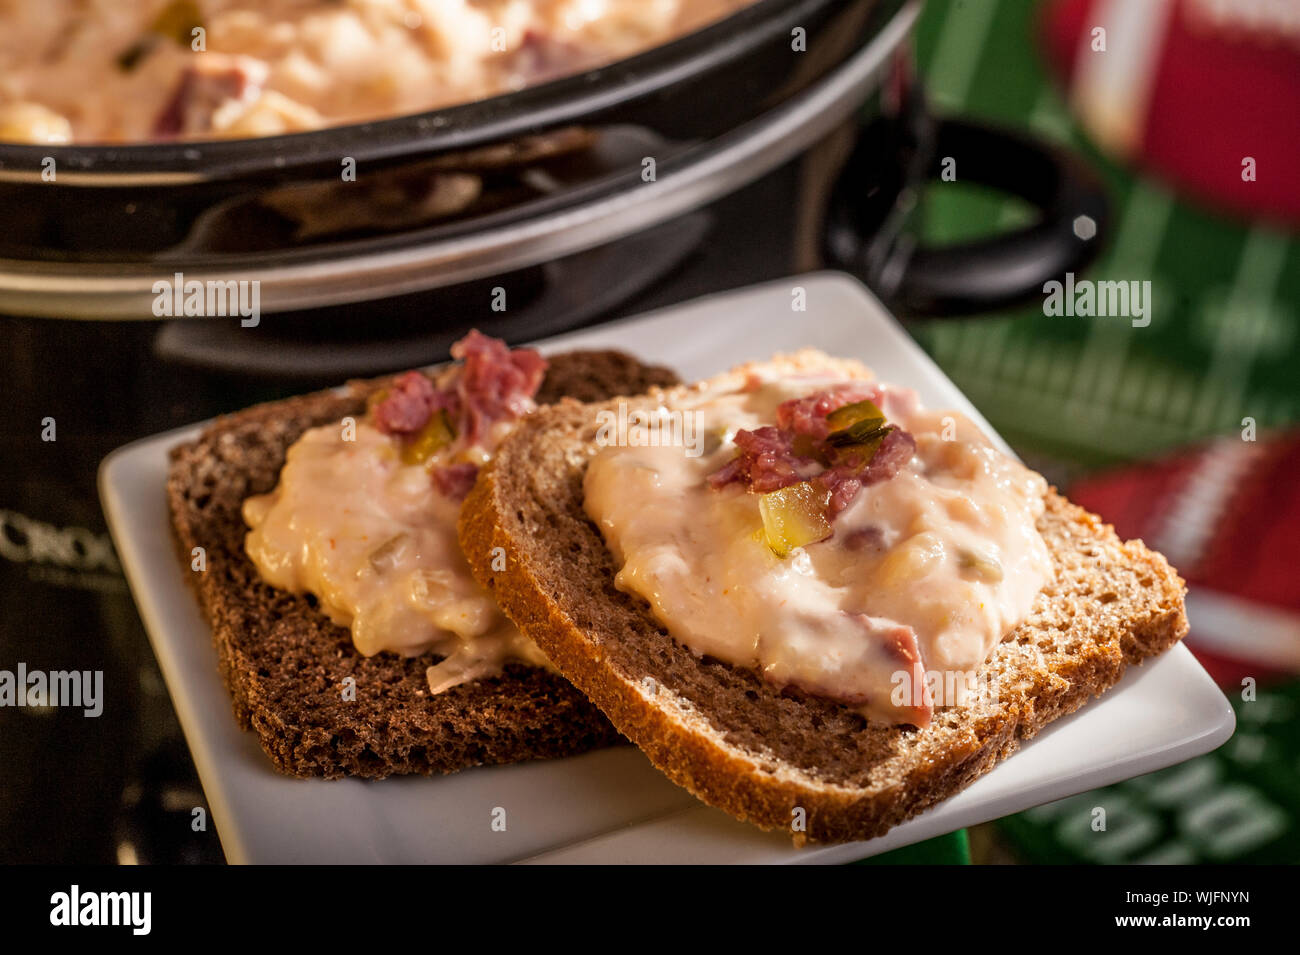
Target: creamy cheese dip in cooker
x,y
112,71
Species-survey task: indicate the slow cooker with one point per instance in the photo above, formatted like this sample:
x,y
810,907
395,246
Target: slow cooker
x,y
787,137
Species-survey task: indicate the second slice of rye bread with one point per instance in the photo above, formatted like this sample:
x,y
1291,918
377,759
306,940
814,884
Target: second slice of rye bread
x,y
285,664
739,743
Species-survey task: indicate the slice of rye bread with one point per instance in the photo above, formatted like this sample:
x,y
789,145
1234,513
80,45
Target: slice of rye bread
x,y
758,753
285,663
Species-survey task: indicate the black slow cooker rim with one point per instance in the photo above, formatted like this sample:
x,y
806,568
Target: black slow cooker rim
x,y
114,291
549,105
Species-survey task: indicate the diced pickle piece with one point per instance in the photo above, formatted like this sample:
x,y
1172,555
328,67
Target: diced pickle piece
x,y
863,451
982,566
386,556
794,516
842,418
130,58
177,21
860,433
861,423
432,438
911,560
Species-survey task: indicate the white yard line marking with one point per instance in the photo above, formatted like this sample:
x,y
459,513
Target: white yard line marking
x,y
1051,117
1259,269
958,52
1056,375
1133,257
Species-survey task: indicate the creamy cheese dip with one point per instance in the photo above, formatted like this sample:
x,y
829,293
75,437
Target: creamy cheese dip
x,y
114,71
371,538
364,514
925,571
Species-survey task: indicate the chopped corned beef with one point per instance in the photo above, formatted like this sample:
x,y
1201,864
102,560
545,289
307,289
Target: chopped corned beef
x,y
767,460
406,406
206,84
493,384
454,480
845,478
808,415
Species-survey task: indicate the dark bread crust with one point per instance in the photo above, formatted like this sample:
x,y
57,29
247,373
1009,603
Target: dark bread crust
x,y
284,663
732,739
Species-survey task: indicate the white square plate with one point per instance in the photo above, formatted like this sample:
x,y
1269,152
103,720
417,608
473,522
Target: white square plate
x,y
613,806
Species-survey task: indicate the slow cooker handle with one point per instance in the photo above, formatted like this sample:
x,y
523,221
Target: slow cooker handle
x,y
985,274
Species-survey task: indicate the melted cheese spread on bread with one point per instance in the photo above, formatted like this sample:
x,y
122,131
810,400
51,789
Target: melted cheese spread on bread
x,y
371,538
923,574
